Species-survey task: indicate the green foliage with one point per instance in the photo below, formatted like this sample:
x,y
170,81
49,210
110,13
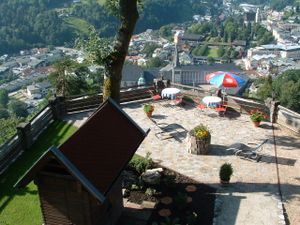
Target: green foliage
x,y
170,181
226,171
221,51
200,131
166,32
69,77
257,116
149,49
154,62
148,108
18,108
210,60
181,200
140,164
8,128
169,221
265,90
150,191
3,97
286,89
200,50
3,113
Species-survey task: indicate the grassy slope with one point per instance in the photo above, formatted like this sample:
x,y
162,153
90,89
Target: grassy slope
x,y
80,25
213,52
22,206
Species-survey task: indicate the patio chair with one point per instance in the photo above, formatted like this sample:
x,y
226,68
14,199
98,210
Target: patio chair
x,y
154,96
221,110
247,151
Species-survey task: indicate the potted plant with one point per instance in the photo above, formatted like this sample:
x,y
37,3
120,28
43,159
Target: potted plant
x,y
199,140
148,108
256,117
226,171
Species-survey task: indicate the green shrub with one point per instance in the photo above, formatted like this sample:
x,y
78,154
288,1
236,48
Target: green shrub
x,y
226,171
150,191
181,200
170,181
140,164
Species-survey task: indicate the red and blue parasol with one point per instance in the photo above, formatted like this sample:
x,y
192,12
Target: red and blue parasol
x,y
225,79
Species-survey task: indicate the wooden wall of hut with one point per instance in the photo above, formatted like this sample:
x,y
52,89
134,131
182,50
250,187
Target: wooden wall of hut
x,y
65,201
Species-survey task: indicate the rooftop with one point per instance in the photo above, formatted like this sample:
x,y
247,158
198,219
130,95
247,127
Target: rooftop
x,y
255,184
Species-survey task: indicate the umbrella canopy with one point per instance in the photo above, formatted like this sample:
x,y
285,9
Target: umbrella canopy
x,y
225,79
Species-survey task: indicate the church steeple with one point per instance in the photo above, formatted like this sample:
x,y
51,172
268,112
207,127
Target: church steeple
x,y
176,58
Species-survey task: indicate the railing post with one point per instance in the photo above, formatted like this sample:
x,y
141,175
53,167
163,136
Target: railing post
x,y
24,133
58,107
273,106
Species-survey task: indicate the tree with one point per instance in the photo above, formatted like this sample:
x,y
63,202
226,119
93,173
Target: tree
x,y
69,77
4,97
265,89
154,62
221,51
8,128
113,57
3,113
210,60
149,48
287,89
18,108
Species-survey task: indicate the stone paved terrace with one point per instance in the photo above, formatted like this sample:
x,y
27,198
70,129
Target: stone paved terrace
x,y
253,195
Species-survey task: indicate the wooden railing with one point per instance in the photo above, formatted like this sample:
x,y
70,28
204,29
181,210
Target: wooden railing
x,y
27,133
241,104
59,107
81,103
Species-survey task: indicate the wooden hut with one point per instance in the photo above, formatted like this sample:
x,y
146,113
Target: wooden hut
x,y
79,182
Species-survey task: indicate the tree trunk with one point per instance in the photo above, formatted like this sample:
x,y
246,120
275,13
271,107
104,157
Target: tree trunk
x,y
129,15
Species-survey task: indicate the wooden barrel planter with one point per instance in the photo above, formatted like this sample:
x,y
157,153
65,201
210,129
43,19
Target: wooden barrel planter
x,y
198,146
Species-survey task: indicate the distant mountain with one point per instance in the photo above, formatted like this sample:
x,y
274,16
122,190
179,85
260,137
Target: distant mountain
x,y
37,23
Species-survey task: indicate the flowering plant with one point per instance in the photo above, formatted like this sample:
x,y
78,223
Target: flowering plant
x,y
257,116
200,131
148,108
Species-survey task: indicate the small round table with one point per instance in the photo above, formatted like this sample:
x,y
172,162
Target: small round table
x,y
170,93
212,101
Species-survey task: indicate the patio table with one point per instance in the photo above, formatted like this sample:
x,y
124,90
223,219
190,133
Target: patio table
x,y
170,93
211,101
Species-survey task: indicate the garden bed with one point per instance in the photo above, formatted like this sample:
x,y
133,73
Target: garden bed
x,y
178,198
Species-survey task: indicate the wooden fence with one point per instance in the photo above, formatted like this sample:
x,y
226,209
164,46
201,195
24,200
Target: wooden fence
x,y
28,132
241,104
87,102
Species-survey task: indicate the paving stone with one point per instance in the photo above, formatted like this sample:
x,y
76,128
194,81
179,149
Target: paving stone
x,y
251,180
148,205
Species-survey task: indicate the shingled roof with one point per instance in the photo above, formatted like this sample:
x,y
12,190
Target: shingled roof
x,y
98,151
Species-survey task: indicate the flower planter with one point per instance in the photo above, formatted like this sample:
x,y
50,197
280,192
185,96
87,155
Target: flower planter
x,y
198,146
256,123
224,182
149,114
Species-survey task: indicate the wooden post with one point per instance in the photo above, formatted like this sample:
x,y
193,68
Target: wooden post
x,y
274,111
58,107
24,133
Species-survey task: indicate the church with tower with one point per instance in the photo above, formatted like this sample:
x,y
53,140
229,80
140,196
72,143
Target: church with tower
x,y
192,74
